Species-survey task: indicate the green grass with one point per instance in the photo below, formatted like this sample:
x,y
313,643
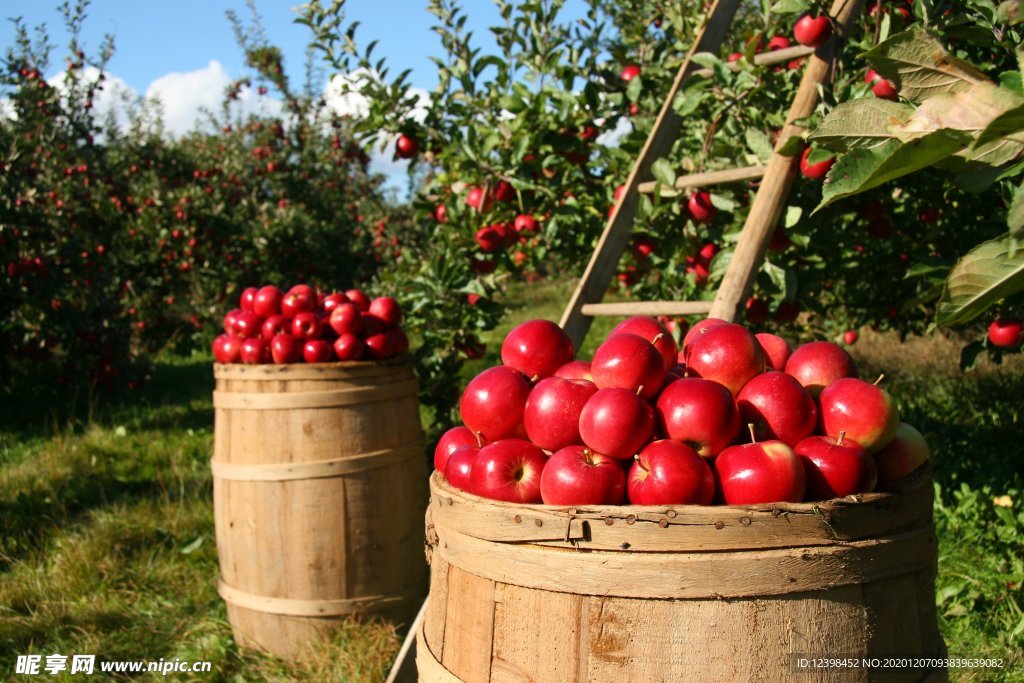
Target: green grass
x,y
107,541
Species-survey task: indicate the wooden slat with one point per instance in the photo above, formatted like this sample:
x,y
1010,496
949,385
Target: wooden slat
x,y
694,180
778,179
648,308
615,238
765,59
470,613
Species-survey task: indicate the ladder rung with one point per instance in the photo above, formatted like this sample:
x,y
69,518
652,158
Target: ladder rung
x,y
729,175
648,308
766,59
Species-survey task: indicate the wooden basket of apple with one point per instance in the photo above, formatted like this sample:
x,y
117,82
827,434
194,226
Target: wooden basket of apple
x,y
310,459
708,515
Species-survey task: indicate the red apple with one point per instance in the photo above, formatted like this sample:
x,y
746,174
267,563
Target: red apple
x,y
836,467
317,351
778,43
247,298
616,422
307,325
525,223
248,324
850,337
372,325
387,309
450,441
776,350
267,301
230,318
552,413
399,342
1005,333
227,348
305,291
654,332
629,72
701,208
864,411
360,299
332,301
700,413
275,325
778,407
286,348
728,354
907,451
812,31
670,473
489,239
575,369
479,199
508,470
575,475
814,171
346,319
380,346
537,348
756,311
493,403
255,351
760,472
627,361
349,347
882,88
458,469
294,303
817,364
699,329
406,147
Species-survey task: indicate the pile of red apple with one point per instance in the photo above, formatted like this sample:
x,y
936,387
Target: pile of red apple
x,y
303,325
732,417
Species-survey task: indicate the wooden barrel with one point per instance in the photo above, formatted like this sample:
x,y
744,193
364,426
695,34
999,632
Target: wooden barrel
x,y
684,593
319,486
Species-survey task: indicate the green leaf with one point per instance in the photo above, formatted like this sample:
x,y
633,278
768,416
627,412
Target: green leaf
x,y
862,169
1010,121
1009,12
790,6
1015,215
860,123
662,171
920,66
980,279
969,355
791,147
759,143
636,85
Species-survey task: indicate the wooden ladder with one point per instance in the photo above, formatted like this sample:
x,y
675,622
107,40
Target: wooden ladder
x,y
776,176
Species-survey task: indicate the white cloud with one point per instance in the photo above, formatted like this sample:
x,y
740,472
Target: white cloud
x,y
611,138
183,95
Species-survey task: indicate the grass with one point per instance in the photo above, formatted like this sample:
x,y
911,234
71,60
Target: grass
x,y
107,541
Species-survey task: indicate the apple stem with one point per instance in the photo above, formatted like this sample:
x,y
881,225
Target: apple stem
x,y
640,390
842,435
658,337
534,379
587,455
479,439
753,432
879,380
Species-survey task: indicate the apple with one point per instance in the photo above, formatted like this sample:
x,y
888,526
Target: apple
x,y
786,312
450,441
488,239
295,302
399,342
458,469
227,348
756,311
552,412
508,470
629,72
255,351
667,472
776,350
575,369
537,348
629,362
349,347
654,332
1005,333
814,171
307,325
812,31
441,213
701,208
286,348
779,408
865,411
230,318
305,291
317,351
525,223
882,88
360,299
699,413
248,324
907,451
494,402
380,346
850,337
575,475
616,422
778,43
267,301
372,325
387,309
699,329
275,325
479,199
817,364
728,354
836,467
332,301
406,147
247,298
760,472
346,319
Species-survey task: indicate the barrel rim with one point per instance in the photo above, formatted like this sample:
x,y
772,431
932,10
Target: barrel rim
x,y
275,371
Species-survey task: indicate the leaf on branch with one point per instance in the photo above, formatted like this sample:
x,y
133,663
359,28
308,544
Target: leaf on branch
x,y
1008,122
759,143
1015,214
985,275
921,67
790,6
663,172
861,123
1009,12
864,168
